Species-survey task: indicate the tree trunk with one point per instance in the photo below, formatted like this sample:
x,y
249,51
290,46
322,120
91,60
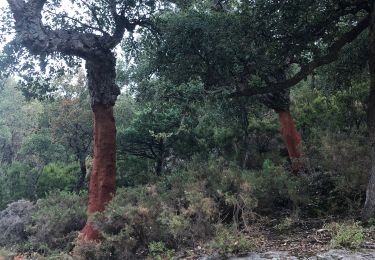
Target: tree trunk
x,y
280,102
368,211
160,160
7,154
82,177
159,166
103,178
369,207
292,139
245,126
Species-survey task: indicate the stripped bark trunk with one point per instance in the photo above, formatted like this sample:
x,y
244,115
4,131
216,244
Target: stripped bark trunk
x,y
103,178
280,102
292,139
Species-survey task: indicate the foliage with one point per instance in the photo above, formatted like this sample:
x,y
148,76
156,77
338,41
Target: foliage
x,y
57,176
219,160
343,110
159,251
56,221
39,150
231,242
18,181
182,209
275,188
71,123
160,127
335,145
85,250
13,222
133,171
346,164
18,120
347,235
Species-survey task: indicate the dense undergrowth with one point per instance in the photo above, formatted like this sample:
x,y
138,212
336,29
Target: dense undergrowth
x,y
213,203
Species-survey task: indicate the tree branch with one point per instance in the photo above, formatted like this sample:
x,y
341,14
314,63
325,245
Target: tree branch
x,y
79,22
40,39
331,56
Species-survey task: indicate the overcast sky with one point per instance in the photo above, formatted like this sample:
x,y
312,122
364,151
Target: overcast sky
x,y
3,3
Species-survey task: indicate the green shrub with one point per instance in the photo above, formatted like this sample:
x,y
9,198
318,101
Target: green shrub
x,y
337,183
17,181
56,221
230,241
132,171
190,213
179,210
128,225
57,176
335,142
6,254
347,235
285,225
93,250
183,208
158,251
274,188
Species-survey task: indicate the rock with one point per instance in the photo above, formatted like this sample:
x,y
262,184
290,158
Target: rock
x,y
284,255
346,255
215,257
272,255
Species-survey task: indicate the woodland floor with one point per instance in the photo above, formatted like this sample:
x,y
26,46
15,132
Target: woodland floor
x,y
301,239
287,240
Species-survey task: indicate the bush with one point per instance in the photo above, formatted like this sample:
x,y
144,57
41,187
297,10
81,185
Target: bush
x,y
128,225
333,124
170,212
339,178
56,221
17,182
159,251
274,188
182,209
133,171
93,250
346,235
189,214
13,222
57,176
230,242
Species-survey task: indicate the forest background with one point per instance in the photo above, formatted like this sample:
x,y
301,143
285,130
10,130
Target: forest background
x,y
201,160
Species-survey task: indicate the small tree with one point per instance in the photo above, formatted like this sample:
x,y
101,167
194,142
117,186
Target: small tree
x,y
71,126
18,119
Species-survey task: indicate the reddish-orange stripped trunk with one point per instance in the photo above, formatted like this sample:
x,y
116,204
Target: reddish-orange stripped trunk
x,y
103,177
292,139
